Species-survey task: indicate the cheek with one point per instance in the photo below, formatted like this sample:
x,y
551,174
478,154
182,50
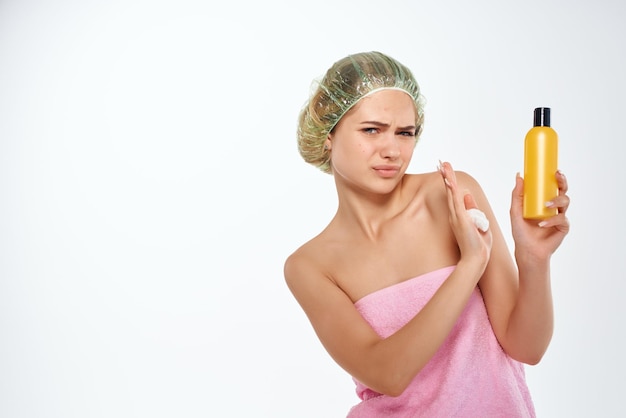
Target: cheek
x,y
367,147
408,148
347,158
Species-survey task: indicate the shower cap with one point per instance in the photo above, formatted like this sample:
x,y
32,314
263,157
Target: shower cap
x,y
345,83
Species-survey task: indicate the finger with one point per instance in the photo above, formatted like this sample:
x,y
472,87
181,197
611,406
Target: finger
x,y
477,216
469,202
561,203
559,222
449,191
517,197
442,171
561,180
479,219
450,180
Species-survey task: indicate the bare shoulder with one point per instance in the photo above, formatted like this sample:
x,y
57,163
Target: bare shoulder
x,y
300,260
425,184
303,268
433,180
469,183
430,189
431,184
465,179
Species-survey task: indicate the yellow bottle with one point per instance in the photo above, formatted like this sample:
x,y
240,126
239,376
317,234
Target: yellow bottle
x,y
541,148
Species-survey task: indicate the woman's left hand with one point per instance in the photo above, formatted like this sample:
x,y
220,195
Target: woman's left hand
x,y
539,240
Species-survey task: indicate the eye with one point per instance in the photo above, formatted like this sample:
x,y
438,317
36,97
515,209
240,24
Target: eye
x,y
410,134
370,130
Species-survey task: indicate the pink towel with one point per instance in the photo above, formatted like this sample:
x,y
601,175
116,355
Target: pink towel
x,y
469,376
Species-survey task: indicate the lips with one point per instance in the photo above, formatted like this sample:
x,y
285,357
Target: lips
x,y
387,170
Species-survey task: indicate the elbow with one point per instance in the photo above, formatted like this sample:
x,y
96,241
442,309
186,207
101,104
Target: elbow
x,y
396,391
531,361
390,376
392,390
532,358
529,352
393,385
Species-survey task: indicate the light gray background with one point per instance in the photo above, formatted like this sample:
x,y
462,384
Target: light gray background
x,y
151,189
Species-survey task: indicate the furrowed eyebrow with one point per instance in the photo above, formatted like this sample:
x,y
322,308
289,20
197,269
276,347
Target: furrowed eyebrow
x,y
377,123
373,122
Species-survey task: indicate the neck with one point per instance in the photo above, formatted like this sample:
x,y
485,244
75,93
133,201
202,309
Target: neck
x,y
368,211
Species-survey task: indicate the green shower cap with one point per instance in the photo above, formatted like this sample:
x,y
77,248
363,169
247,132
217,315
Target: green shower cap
x,y
344,84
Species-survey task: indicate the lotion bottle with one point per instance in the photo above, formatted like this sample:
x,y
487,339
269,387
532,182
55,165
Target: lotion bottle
x,y
540,166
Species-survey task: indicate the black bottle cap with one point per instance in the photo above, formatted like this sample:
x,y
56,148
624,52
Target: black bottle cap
x,y
542,116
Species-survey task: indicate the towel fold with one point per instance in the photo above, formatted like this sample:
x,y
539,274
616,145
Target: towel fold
x,y
469,376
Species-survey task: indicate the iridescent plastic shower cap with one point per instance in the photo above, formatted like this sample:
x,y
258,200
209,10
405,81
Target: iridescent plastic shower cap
x,y
344,84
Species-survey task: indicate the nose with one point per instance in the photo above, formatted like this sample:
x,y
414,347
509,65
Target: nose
x,y
390,148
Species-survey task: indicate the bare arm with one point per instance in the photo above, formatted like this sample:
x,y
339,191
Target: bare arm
x,y
519,300
388,365
385,365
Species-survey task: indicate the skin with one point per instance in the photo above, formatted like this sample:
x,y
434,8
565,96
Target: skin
x,y
391,226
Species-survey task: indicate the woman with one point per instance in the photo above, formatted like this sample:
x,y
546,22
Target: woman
x,y
429,314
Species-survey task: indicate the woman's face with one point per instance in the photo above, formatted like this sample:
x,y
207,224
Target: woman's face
x,y
373,143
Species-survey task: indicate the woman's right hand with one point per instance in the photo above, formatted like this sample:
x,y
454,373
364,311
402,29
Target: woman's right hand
x,y
474,244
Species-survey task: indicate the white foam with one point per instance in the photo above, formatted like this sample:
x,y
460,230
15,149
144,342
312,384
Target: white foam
x,y
479,219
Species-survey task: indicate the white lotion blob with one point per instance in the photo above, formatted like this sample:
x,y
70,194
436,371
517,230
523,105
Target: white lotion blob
x,y
479,219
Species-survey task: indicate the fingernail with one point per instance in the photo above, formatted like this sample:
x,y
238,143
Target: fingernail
x,y
542,224
549,204
445,180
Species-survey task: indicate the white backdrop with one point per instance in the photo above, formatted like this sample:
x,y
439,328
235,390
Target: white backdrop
x,y
151,189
